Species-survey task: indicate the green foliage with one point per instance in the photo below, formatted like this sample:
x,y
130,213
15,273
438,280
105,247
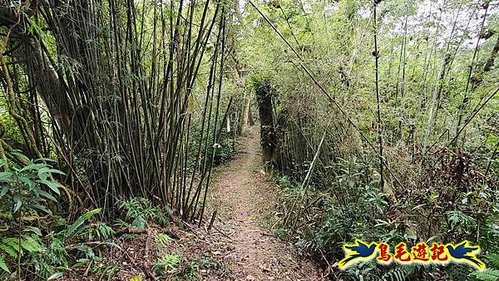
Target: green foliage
x,y
203,264
31,187
459,219
107,272
189,272
430,74
50,255
15,247
26,194
285,182
167,263
3,265
139,211
489,274
161,240
486,275
493,260
352,208
9,127
98,231
73,229
355,207
223,146
399,273
225,151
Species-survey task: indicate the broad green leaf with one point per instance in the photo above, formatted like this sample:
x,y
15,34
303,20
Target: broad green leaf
x,y
4,190
31,245
54,186
45,160
42,208
47,195
19,155
55,171
3,265
9,250
76,225
4,176
17,203
27,181
12,242
44,172
33,166
43,176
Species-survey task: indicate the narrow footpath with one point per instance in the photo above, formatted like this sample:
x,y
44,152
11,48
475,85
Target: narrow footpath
x,y
243,195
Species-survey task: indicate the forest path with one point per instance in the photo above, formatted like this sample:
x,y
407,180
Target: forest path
x,y
242,196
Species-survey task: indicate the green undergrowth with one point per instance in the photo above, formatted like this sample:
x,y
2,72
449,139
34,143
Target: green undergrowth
x,y
37,244
321,217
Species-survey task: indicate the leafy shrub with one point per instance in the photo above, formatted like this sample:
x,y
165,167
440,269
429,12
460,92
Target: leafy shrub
x,y
489,274
28,194
355,206
138,211
166,264
25,195
161,240
26,191
224,151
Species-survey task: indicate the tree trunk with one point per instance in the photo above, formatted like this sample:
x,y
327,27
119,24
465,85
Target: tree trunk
x,y
267,130
247,117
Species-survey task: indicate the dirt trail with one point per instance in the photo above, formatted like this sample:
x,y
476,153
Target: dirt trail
x,y
242,195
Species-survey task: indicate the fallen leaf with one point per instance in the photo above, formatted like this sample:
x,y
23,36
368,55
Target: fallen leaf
x,y
264,268
136,278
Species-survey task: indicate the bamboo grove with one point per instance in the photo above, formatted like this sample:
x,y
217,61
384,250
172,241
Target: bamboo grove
x,y
107,87
384,123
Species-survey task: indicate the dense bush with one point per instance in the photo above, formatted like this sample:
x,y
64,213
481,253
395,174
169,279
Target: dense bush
x,y
34,242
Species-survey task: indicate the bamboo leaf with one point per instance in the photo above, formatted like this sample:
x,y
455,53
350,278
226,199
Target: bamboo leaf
x,y
27,181
20,156
55,171
3,265
72,230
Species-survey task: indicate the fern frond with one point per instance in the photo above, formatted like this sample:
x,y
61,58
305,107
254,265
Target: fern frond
x,y
493,260
400,273
486,275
